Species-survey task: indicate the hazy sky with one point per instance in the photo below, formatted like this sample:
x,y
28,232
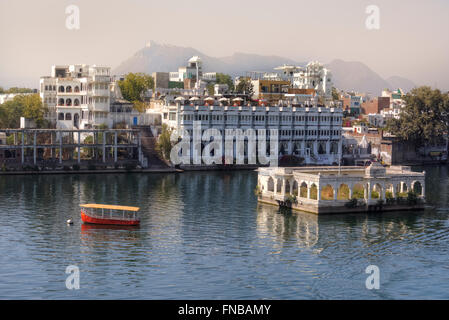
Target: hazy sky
x,y
412,41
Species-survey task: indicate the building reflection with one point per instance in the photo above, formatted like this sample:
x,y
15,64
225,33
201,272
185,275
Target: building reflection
x,y
289,226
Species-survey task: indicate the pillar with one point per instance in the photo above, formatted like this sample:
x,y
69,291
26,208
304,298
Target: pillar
x,y
115,146
23,147
335,192
104,146
308,191
79,147
34,148
60,147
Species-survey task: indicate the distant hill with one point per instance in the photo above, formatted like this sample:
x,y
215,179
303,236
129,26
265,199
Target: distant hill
x,y
352,75
400,82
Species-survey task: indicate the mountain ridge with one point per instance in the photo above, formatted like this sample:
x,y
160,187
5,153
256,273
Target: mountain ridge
x,y
347,75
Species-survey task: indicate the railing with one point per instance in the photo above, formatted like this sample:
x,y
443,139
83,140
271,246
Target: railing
x,y
110,214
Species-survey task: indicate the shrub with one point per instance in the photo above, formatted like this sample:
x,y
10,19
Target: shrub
x,y
412,198
351,203
291,198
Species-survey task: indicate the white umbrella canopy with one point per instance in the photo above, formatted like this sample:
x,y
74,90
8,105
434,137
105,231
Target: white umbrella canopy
x,y
223,99
209,99
179,99
194,99
237,99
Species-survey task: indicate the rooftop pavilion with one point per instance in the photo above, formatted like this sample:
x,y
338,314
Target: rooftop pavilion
x,y
329,189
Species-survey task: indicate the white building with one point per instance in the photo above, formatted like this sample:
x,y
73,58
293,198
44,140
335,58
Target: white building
x,y
313,133
314,76
78,96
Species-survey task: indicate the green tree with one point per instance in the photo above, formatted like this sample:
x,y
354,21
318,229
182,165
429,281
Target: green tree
x,y
210,89
424,119
335,95
225,79
134,86
245,86
28,106
164,144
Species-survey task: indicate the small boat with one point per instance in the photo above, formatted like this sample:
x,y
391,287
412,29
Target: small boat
x,y
109,214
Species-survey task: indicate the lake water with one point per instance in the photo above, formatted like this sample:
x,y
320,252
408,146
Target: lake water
x,y
204,236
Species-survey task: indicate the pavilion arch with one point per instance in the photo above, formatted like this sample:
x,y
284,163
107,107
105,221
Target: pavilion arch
x,y
287,186
279,185
295,188
313,192
358,191
417,187
327,192
270,184
303,190
376,193
343,192
389,190
401,187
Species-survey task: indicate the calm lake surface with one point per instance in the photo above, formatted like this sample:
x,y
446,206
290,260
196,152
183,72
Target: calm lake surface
x,y
203,236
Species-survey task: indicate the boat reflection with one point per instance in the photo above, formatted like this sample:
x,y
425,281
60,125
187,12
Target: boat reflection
x,y
95,234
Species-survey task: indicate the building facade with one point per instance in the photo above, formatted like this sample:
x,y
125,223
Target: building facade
x,y
311,132
77,96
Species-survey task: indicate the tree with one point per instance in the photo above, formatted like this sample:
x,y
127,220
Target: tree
x,y
210,89
225,79
335,95
135,85
424,119
164,144
245,86
28,106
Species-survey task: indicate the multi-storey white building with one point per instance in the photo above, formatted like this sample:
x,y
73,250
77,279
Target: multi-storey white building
x,y
314,76
78,96
311,132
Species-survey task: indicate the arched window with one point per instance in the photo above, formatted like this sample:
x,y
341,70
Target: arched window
x,y
343,192
61,102
76,102
68,89
314,192
327,193
68,116
61,89
303,190
279,185
68,102
77,89
60,116
270,184
417,187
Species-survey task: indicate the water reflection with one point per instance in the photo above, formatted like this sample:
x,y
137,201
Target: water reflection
x,y
207,227
287,226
